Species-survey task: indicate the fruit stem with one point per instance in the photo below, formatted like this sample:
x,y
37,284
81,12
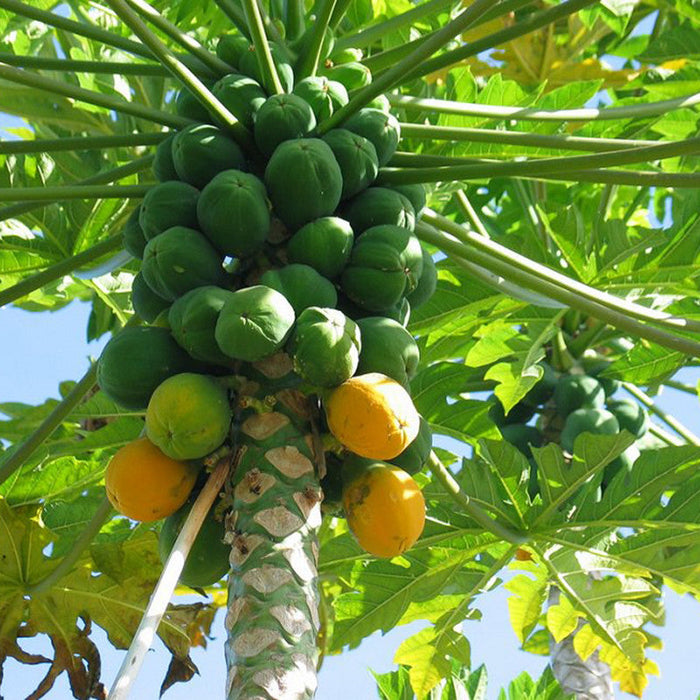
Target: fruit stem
x,y
17,458
448,482
394,75
180,71
468,109
60,87
135,166
72,66
54,272
270,78
81,143
63,192
190,44
670,421
163,592
307,63
235,14
561,292
104,510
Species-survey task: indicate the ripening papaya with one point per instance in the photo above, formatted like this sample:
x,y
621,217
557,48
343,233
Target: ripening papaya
x,y
132,234
302,286
201,151
163,164
415,456
380,128
587,420
372,415
178,260
574,391
145,484
303,181
324,244
171,203
282,118
135,361
147,304
242,96
377,206
324,96
387,347
427,282
630,415
325,346
357,158
208,559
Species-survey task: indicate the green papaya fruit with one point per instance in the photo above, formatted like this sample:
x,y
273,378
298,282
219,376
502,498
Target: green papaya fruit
x,y
385,263
302,286
376,206
281,118
192,320
135,361
325,346
241,95
208,560
594,367
415,194
544,389
353,75
587,420
324,96
147,304
302,45
346,56
303,181
171,203
380,128
574,391
401,312
524,437
332,487
187,105
248,65
357,159
380,102
254,323
233,213
631,416
178,260
414,457
427,282
520,413
202,151
324,244
623,463
163,164
387,347
132,234
231,47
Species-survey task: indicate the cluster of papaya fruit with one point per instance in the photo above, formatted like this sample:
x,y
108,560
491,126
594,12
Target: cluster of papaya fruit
x,y
568,405
282,245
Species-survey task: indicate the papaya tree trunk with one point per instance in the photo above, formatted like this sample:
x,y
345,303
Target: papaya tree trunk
x,y
272,618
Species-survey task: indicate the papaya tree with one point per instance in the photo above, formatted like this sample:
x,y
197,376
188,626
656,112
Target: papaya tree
x,y
391,288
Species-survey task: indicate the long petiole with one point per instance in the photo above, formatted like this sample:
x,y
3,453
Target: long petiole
x,y
65,192
308,61
256,27
72,66
80,143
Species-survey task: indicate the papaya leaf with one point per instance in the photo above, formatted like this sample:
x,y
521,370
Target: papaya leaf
x,y
529,593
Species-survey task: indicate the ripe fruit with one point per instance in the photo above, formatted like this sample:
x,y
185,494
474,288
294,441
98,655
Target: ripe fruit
x,y
145,484
385,509
372,415
188,416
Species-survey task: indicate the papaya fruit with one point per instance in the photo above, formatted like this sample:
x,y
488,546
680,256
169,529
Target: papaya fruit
x,y
188,416
178,260
427,282
324,96
594,367
233,213
282,118
385,263
187,105
415,194
302,45
520,413
372,415
324,244
524,437
350,55
231,47
145,484
631,416
254,323
387,347
352,75
377,206
147,304
202,151
163,164
324,346
574,391
192,319
385,509
248,65
544,389
357,159
168,204
380,128
401,312
623,463
315,187
132,234
414,457
380,102
302,286
208,559
135,361
587,420
242,96
332,487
